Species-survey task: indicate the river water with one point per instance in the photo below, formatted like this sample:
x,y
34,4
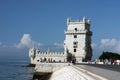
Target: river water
x,y
15,70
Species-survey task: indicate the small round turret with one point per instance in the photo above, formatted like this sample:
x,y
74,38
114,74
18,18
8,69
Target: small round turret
x,y
32,53
84,19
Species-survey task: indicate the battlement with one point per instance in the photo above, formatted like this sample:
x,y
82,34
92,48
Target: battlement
x,y
36,52
50,54
78,21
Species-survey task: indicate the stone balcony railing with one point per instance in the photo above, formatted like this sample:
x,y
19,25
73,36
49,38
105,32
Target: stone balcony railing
x,y
76,31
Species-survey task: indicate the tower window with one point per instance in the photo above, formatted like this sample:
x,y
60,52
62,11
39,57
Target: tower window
x,y
75,36
75,46
75,43
74,50
75,29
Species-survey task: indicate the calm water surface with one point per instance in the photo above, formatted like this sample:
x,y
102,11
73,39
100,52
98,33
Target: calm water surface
x,y
15,70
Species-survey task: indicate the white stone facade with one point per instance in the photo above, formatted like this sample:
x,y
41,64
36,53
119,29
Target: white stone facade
x,y
77,44
78,39
37,56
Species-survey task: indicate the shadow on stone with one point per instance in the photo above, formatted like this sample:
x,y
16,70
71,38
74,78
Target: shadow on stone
x,y
31,65
41,76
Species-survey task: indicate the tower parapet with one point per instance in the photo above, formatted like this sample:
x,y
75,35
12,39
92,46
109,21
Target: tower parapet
x,y
78,21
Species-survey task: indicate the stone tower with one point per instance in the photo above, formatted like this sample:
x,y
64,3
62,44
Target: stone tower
x,y
78,39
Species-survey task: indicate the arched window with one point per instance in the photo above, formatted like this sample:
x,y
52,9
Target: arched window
x,y
75,42
74,50
38,60
75,29
75,36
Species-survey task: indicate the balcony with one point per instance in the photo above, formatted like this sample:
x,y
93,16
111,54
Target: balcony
x,y
78,32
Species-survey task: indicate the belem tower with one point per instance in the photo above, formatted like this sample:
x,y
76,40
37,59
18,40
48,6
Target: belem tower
x,y
77,45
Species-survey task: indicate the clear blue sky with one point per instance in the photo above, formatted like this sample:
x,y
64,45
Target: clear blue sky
x,y
44,22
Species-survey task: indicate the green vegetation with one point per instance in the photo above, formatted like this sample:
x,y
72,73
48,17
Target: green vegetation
x,y
109,55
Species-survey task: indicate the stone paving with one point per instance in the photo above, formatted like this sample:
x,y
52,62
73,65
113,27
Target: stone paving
x,y
102,71
74,73
105,66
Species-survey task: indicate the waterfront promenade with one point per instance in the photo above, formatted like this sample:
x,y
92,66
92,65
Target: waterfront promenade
x,y
110,72
84,72
74,73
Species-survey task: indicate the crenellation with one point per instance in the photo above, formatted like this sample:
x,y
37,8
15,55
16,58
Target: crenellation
x,y
50,53
84,21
